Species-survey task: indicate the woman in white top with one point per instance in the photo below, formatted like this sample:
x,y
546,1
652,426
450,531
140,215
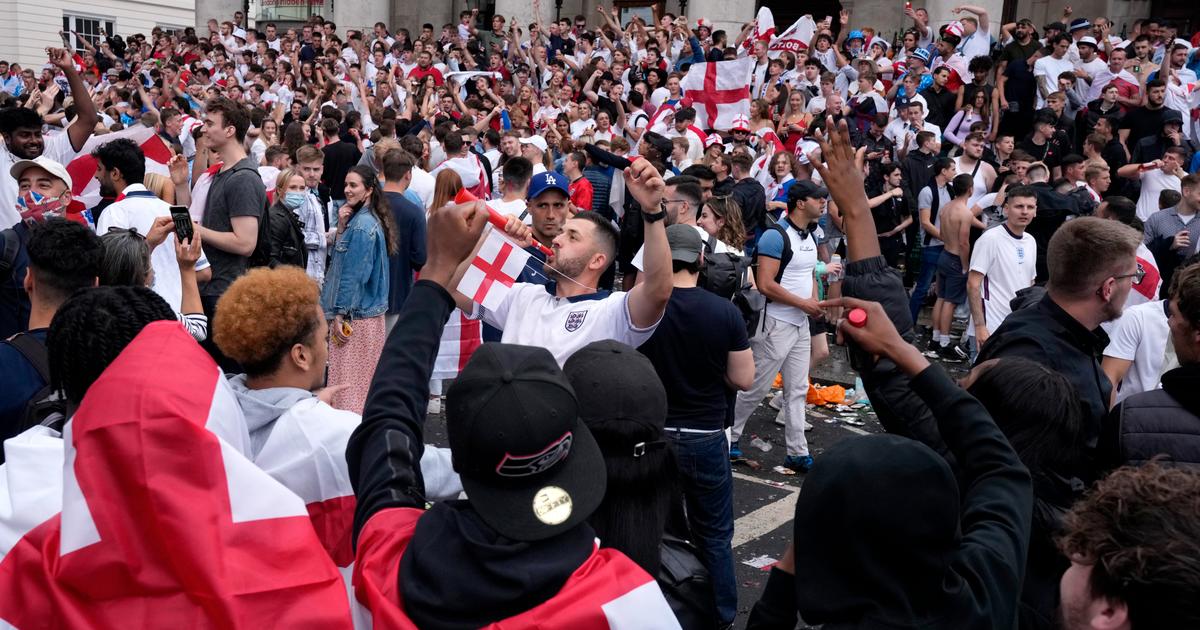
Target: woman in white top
x,y
268,135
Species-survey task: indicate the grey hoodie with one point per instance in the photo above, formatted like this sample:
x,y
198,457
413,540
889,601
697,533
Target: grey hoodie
x,y
292,431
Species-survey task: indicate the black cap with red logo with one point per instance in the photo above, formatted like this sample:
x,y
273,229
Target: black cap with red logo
x,y
530,468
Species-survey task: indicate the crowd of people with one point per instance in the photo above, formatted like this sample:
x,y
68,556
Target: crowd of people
x,y
329,213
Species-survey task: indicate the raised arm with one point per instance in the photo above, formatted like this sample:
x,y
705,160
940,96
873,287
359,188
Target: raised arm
x,y
384,452
84,125
648,300
980,12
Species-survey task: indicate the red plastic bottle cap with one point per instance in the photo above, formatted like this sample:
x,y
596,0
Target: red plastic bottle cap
x,y
857,317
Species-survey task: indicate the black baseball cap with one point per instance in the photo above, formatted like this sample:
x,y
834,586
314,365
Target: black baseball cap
x,y
530,467
621,397
806,189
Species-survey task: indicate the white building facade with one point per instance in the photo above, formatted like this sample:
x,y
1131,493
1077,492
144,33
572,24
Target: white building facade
x,y
27,27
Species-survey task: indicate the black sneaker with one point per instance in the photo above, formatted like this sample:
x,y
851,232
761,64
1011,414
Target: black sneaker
x,y
952,353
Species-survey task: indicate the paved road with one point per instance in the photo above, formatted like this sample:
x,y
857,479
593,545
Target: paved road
x,y
764,500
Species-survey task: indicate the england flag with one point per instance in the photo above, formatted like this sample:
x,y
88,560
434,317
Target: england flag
x,y
157,518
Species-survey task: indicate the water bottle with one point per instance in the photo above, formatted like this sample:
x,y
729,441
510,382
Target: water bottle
x,y
832,277
761,444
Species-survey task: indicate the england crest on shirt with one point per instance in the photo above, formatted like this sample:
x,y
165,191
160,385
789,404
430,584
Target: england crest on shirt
x,y
575,320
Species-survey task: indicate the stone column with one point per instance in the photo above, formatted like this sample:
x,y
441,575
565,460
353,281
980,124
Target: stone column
x,y
939,13
411,14
219,10
360,14
724,14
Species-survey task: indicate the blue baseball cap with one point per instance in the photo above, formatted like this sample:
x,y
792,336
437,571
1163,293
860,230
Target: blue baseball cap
x,y
550,180
855,35
922,54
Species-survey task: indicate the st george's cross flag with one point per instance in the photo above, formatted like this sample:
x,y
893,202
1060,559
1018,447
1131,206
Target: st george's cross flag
x,y
85,189
719,91
764,28
493,271
152,534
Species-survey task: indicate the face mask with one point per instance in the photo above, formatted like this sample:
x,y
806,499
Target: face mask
x,y
293,200
33,206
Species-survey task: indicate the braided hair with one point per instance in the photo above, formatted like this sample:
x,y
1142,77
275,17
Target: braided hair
x,y
91,329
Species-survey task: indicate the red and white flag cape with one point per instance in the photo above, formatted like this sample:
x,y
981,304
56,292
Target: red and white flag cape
x,y
493,271
84,187
607,592
794,39
150,533
719,90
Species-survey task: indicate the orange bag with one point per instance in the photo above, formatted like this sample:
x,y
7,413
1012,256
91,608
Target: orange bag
x,y
833,394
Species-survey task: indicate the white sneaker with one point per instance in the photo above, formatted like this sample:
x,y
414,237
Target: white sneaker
x,y
777,401
435,406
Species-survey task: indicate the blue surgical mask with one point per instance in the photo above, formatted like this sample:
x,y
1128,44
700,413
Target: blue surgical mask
x,y
293,200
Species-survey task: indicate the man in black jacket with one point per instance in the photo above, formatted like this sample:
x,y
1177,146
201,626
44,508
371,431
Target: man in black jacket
x,y
860,575
1053,209
749,195
1167,420
1093,265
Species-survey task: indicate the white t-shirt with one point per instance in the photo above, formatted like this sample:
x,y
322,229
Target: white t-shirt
x,y
514,207
797,277
1154,181
719,248
1046,70
57,147
1008,264
422,184
529,315
1139,335
138,210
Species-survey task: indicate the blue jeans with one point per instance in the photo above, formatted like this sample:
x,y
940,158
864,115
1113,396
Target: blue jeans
x,y
707,483
929,258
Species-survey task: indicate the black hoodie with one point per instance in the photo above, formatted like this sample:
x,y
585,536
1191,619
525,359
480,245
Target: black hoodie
x,y
882,541
456,572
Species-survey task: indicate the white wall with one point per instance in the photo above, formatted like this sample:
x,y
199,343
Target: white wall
x,y
29,26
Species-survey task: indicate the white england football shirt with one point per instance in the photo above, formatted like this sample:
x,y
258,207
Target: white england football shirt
x,y
531,316
1008,264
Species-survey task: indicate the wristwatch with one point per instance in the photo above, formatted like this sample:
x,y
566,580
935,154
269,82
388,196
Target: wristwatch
x,y
655,217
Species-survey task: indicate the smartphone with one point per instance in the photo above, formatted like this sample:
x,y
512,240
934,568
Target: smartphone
x,y
183,223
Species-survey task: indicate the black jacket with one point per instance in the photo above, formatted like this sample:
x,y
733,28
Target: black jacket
x,y
868,571
287,237
457,572
752,199
1053,208
916,170
1157,422
1046,334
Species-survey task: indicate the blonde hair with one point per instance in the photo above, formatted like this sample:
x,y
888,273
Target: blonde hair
x,y
161,186
281,182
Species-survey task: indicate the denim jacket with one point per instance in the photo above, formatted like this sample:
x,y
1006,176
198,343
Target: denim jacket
x,y
356,285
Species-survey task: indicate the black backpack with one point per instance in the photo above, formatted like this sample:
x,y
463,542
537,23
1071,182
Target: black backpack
x,y
748,300
10,244
723,273
686,584
45,406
